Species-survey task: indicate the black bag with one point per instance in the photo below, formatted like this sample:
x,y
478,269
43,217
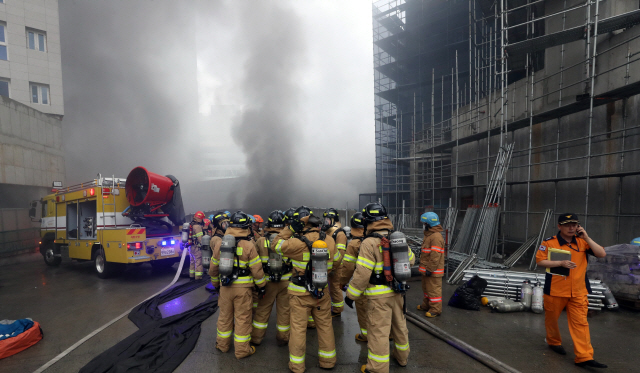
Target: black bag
x,y
467,296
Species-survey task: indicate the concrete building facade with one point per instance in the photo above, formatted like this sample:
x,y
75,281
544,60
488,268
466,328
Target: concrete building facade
x,y
559,79
31,111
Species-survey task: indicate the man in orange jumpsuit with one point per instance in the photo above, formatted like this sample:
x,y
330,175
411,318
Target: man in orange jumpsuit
x,y
570,291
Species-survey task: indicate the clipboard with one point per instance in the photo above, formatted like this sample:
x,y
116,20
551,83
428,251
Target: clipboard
x,y
558,254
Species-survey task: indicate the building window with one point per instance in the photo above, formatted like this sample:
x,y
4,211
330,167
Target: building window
x,y
39,94
36,40
3,41
4,87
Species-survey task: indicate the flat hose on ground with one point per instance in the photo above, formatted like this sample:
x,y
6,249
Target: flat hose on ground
x,y
473,352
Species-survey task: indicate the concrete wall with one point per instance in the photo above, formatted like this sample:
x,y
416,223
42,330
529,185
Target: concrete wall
x,y
30,146
24,65
17,232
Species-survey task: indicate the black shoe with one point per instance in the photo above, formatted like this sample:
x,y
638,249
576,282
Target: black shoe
x,y
591,363
192,279
558,349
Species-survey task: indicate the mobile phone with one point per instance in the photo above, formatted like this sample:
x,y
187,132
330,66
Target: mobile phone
x,y
579,234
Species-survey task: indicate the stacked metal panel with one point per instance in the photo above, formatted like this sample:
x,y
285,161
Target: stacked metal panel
x,y
508,284
489,232
468,224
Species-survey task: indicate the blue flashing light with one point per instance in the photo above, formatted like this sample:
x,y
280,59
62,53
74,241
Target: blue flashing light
x,y
164,243
173,242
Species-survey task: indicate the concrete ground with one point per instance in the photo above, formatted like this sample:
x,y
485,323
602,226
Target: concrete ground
x,y
70,302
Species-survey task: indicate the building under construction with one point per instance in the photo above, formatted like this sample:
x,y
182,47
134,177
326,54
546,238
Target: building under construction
x,y
457,81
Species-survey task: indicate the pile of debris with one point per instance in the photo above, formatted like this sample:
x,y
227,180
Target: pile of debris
x,y
620,269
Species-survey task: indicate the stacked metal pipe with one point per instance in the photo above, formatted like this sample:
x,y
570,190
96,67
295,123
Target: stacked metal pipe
x,y
509,283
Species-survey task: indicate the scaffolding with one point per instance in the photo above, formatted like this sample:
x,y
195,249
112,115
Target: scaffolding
x,y
455,81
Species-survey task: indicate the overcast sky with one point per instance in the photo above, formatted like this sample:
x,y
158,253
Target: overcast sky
x,y
281,89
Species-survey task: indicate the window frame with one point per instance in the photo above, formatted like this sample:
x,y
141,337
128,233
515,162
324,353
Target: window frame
x,y
5,43
39,94
36,39
2,79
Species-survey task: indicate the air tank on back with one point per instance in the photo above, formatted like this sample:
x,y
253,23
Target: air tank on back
x,y
206,251
185,233
227,254
275,260
400,257
319,265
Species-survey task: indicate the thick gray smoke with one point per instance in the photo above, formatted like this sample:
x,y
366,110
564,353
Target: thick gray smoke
x,y
130,89
269,129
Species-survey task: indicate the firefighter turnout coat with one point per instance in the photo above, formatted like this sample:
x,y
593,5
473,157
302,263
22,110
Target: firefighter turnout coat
x,y
301,302
348,268
195,254
432,269
337,298
276,293
235,299
385,309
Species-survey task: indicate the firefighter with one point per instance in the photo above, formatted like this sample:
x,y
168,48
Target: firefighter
x,y
207,227
196,230
220,223
385,314
432,265
332,226
296,243
349,266
235,293
278,273
288,218
570,291
257,226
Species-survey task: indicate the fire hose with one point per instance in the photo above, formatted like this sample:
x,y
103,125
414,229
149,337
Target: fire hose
x,y
93,333
473,352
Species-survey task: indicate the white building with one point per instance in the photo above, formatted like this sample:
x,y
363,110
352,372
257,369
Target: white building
x,y
31,111
30,65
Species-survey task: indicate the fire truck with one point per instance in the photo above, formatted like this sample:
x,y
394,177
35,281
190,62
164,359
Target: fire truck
x,y
113,222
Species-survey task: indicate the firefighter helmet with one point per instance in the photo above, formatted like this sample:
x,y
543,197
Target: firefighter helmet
x,y
430,218
357,220
331,213
275,219
258,219
240,220
288,215
207,222
374,212
198,215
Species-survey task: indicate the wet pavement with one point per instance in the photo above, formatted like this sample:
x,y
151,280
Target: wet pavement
x,y
70,302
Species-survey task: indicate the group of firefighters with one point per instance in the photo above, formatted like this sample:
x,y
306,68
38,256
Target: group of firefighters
x,y
303,263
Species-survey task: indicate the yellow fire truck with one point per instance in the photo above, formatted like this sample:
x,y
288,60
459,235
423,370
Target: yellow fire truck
x,y
113,222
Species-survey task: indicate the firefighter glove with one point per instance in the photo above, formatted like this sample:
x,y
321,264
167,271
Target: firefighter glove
x,y
349,302
427,273
262,292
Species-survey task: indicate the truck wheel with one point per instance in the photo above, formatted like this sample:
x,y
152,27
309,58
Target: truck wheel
x,y
49,255
103,268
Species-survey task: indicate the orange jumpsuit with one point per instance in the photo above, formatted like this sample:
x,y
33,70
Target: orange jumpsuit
x,y
432,260
568,292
